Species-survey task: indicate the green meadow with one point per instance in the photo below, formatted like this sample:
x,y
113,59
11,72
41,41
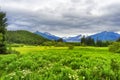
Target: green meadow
x,y
60,63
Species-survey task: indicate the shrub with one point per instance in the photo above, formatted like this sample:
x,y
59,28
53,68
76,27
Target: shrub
x,y
12,52
17,45
115,47
70,47
115,65
60,44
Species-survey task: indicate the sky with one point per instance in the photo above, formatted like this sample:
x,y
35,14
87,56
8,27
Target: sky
x,y
63,17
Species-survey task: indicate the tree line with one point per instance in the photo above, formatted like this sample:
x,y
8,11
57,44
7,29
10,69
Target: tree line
x,y
89,41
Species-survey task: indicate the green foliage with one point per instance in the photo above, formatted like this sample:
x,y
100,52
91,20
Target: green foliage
x,y
81,63
60,44
115,65
87,41
3,49
15,45
115,47
70,47
73,43
3,25
54,43
90,41
11,51
49,43
24,37
100,43
60,40
118,40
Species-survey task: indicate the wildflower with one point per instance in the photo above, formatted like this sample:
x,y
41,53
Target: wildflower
x,y
83,77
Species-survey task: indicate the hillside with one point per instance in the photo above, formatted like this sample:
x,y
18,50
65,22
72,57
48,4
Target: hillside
x,y
47,35
26,37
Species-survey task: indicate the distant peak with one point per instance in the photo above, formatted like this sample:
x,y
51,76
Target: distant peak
x,y
47,33
37,32
79,35
105,31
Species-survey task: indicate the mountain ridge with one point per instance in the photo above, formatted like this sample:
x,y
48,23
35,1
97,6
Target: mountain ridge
x,y
47,35
73,39
104,36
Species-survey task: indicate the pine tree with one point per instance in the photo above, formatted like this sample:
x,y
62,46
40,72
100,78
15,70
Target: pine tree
x,y
90,41
118,40
60,40
3,25
83,40
99,43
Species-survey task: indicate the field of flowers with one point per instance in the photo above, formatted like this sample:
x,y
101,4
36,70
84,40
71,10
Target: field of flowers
x,y
60,63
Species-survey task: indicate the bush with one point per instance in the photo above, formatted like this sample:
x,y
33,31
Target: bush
x,y
60,44
115,47
70,47
12,52
16,45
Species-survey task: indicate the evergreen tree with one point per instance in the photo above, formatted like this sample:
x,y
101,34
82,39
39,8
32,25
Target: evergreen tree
x,y
83,40
99,43
90,41
118,40
3,25
87,41
60,40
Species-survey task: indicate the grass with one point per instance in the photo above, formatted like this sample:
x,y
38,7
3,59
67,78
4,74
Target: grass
x,y
60,63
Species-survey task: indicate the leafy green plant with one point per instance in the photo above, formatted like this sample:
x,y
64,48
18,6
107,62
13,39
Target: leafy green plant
x,y
115,47
60,64
70,47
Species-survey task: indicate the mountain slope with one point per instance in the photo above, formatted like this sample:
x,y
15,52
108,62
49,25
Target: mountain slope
x,y
47,35
73,39
26,37
106,36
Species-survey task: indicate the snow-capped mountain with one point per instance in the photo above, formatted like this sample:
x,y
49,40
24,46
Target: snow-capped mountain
x,y
73,39
104,36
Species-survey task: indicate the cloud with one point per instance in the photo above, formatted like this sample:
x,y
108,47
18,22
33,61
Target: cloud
x,y
63,17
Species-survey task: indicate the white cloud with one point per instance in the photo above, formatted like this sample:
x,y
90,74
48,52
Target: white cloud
x,y
63,17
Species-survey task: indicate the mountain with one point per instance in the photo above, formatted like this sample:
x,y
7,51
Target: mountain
x,y
73,39
26,37
47,35
106,36
53,37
